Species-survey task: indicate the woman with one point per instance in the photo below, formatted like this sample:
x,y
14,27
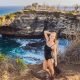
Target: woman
x,y
50,53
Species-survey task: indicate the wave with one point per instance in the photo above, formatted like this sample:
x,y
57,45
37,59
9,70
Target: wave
x,y
28,56
24,42
0,36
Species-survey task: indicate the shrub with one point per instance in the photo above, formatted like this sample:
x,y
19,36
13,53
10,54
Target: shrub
x,y
20,64
72,54
2,57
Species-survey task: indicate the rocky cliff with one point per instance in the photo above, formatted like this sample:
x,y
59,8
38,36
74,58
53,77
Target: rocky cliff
x,y
36,23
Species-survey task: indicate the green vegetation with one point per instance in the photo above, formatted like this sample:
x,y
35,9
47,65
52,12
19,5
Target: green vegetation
x,y
17,13
2,57
20,63
7,19
10,66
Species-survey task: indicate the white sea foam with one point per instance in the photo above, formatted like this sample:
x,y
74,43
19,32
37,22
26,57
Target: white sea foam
x,y
23,42
0,35
33,58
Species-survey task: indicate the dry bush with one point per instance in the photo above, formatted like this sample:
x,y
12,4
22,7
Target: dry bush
x,y
72,54
10,67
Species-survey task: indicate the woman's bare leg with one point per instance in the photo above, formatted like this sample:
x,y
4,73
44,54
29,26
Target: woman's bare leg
x,y
51,67
45,67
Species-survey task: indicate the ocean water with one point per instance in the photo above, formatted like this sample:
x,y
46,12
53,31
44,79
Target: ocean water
x,y
9,9
13,48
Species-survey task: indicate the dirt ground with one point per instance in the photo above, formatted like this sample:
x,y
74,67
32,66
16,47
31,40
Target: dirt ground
x,y
35,72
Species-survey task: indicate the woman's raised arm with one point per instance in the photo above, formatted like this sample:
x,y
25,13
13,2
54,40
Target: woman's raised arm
x,y
46,35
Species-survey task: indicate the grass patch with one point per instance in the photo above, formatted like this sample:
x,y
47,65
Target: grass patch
x,y
20,63
2,57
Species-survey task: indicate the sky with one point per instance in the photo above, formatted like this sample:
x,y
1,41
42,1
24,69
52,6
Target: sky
x,y
46,2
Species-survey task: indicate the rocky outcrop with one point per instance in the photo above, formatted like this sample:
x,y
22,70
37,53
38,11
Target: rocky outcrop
x,y
35,23
35,72
15,69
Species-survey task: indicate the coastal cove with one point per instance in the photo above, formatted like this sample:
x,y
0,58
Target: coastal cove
x,y
30,50
22,41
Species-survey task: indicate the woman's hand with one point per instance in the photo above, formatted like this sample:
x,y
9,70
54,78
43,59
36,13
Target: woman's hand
x,y
47,32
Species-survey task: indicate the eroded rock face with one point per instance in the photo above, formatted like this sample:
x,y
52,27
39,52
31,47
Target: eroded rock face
x,y
36,20
37,23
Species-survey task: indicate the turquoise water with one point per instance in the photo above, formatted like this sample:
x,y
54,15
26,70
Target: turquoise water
x,y
13,47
